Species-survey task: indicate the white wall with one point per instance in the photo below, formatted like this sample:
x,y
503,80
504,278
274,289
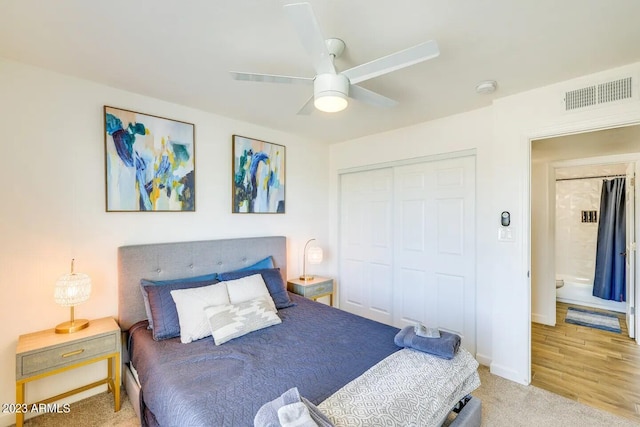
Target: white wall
x,y
53,203
501,137
542,249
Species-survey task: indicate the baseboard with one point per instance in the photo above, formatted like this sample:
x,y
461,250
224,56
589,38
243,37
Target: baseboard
x,y
483,359
507,373
542,319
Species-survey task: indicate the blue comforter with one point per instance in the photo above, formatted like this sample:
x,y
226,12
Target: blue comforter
x,y
316,348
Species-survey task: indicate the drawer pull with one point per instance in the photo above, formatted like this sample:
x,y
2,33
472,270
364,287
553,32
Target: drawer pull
x,y
73,353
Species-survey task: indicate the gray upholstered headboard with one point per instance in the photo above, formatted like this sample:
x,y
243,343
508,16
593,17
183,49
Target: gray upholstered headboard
x,y
164,261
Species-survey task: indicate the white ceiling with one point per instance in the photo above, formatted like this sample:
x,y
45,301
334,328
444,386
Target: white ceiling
x,y
182,52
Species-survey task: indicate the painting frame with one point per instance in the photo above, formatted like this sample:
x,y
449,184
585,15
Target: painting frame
x,y
149,162
258,182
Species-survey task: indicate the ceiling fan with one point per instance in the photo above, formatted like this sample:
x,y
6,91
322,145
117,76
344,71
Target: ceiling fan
x,y
330,87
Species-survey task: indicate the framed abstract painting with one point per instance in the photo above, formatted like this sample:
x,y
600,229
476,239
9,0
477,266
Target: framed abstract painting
x,y
258,176
149,163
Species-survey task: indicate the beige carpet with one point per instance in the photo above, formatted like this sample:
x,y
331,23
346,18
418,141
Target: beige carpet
x,y
504,404
96,411
507,404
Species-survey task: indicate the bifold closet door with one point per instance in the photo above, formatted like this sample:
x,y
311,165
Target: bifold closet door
x,y
366,247
407,245
434,246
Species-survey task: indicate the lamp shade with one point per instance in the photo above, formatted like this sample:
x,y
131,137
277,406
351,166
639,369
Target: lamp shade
x,y
72,289
314,255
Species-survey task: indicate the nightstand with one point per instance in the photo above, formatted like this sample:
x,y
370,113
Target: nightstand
x,y
45,353
313,289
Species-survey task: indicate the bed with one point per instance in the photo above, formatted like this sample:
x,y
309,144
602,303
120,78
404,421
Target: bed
x,y
346,365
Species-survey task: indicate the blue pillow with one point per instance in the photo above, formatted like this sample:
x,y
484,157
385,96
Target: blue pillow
x,y
163,312
212,277
272,278
260,265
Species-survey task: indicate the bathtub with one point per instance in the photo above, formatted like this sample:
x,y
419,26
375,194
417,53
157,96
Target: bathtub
x,y
578,290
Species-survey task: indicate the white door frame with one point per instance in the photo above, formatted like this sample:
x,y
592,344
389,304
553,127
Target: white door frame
x,y
630,248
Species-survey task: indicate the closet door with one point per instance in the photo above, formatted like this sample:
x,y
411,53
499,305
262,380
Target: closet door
x,y
434,246
366,249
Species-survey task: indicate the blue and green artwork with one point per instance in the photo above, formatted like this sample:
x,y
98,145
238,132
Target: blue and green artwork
x,y
149,162
258,176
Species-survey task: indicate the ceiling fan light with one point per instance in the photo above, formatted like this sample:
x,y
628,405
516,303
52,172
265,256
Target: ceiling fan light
x,y
330,102
330,92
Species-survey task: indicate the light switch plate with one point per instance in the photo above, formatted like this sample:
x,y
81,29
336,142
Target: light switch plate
x,y
506,234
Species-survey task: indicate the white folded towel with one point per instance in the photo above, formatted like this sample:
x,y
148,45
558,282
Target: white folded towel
x,y
295,415
422,331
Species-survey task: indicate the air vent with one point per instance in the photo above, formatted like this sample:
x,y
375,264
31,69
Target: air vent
x,y
615,90
580,98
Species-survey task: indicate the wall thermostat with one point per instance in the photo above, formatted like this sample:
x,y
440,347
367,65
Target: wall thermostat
x,y
505,219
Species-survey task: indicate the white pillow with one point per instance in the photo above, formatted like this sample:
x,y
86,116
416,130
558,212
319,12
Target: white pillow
x,y
190,304
231,321
248,288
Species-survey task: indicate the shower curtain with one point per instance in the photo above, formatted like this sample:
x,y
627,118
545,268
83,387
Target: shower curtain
x,y
609,280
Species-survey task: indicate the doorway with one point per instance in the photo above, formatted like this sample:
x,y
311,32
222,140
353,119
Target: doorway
x,y
582,362
591,154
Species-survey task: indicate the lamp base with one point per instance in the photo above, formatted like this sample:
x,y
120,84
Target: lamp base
x,y
70,327
306,278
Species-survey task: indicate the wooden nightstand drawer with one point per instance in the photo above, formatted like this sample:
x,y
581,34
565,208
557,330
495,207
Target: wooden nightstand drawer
x,y
65,355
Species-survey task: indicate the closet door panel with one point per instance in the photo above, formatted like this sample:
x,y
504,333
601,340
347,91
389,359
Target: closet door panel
x,y
381,294
413,246
435,222
450,220
450,302
454,261
412,296
353,296
365,244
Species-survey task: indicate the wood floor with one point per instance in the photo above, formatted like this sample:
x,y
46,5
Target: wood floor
x,y
595,367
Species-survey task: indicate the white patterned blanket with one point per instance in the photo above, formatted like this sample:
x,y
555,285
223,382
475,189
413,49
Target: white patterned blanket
x,y
408,388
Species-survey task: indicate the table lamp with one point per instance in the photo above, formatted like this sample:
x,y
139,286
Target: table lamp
x,y
71,290
313,255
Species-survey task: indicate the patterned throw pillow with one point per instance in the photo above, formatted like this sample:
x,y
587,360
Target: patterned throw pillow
x,y
231,321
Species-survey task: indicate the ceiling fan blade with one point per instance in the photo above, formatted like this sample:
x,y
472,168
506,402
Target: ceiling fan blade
x,y
303,19
307,108
393,62
370,97
270,78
